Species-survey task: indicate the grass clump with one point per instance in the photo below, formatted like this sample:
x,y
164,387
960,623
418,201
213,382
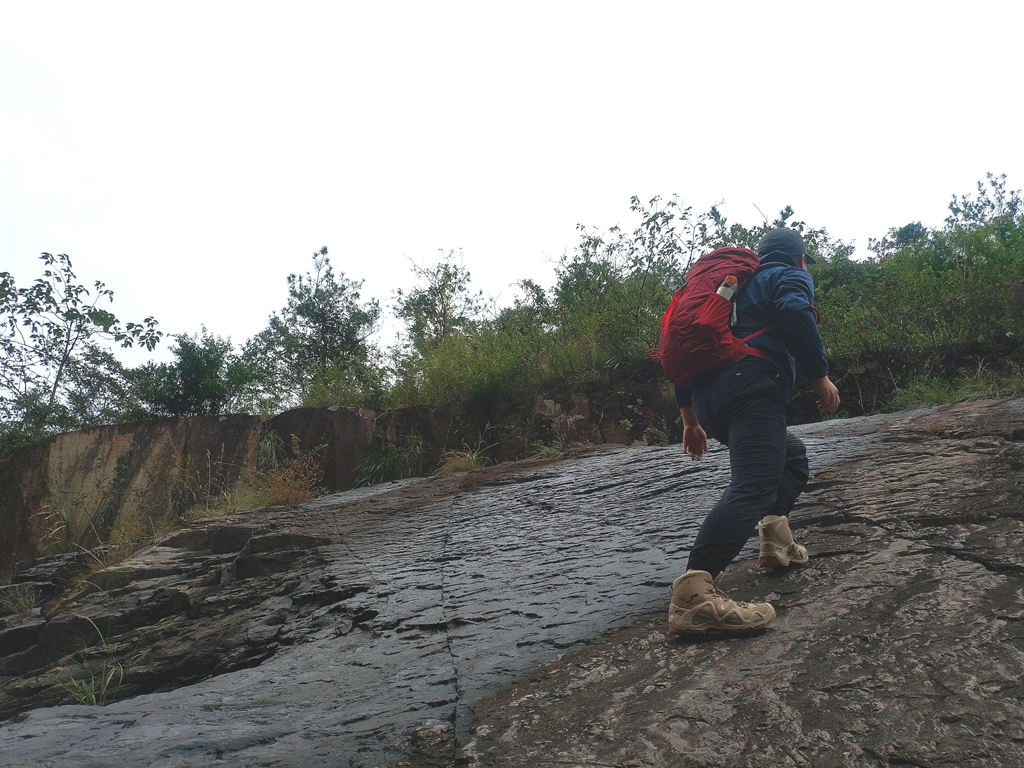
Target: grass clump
x,y
247,493
456,461
982,382
552,450
403,458
204,487
463,461
470,457
94,684
70,522
289,477
18,600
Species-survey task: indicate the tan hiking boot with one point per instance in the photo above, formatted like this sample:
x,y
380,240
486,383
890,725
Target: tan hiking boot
x,y
698,606
776,546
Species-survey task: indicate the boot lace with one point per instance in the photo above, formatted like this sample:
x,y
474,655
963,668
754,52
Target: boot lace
x,y
719,592
715,582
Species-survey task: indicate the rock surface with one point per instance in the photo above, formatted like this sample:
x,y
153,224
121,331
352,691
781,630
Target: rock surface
x,y
129,479
110,476
515,617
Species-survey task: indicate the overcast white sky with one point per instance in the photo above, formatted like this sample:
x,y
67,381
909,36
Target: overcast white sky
x,y
192,154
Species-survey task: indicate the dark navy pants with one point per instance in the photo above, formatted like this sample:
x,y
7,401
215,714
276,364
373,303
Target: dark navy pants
x,y
744,407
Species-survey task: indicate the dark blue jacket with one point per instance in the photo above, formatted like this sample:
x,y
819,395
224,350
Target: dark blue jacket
x,y
781,296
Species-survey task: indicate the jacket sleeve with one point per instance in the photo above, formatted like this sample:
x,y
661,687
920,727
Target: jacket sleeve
x,y
793,299
682,397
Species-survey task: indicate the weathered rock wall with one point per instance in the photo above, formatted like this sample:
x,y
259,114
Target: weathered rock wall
x,y
633,414
22,492
345,434
130,477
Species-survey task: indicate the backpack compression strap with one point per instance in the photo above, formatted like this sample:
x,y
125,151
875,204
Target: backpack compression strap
x,y
742,348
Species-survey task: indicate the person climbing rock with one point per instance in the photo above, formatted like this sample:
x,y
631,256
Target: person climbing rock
x,y
742,404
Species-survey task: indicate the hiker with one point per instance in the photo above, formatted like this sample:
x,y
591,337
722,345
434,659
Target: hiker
x,y
742,404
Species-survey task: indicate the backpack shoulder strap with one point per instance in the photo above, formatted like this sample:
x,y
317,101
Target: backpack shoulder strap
x,y
742,348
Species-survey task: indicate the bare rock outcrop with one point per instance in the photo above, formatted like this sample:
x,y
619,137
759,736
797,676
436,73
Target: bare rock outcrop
x,y
902,644
514,616
131,479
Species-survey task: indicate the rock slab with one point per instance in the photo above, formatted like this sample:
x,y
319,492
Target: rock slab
x,y
515,617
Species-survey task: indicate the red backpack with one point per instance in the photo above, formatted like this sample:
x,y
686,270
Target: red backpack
x,y
696,333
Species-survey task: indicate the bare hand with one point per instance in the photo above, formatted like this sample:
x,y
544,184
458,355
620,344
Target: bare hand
x,y
695,441
828,395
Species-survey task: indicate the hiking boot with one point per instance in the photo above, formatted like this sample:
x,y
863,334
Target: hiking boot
x,y
776,545
699,606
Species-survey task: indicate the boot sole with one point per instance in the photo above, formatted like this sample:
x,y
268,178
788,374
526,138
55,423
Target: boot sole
x,y
770,561
775,561
674,630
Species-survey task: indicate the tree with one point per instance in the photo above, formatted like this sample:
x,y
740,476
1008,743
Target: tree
x,y
99,390
529,313
320,334
207,377
820,245
440,307
993,203
49,330
898,238
612,289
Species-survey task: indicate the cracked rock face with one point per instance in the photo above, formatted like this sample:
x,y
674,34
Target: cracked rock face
x,y
901,644
515,616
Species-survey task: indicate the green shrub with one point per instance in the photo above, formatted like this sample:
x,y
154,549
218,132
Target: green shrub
x,y
394,461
